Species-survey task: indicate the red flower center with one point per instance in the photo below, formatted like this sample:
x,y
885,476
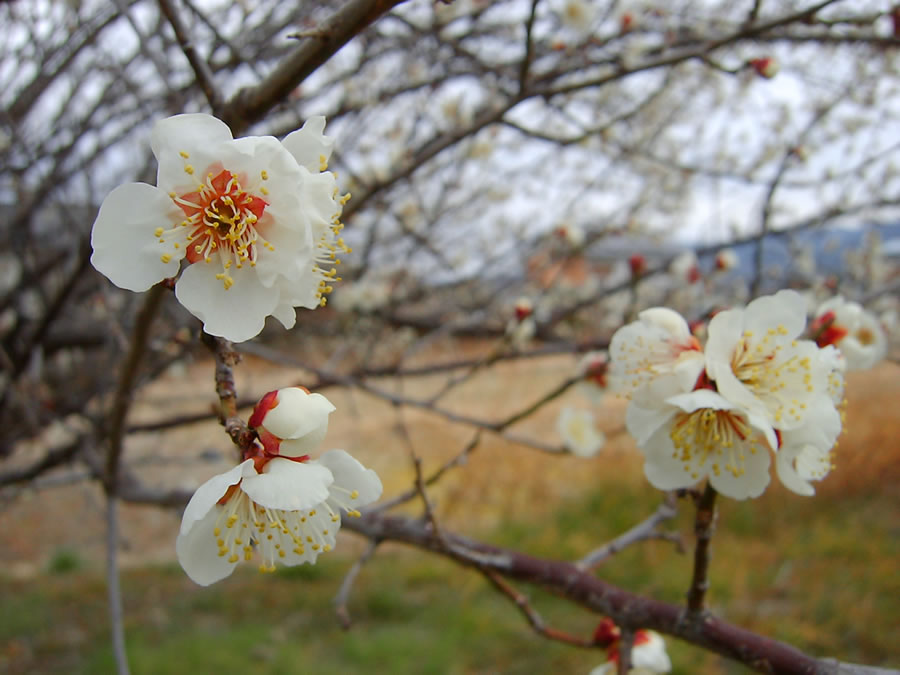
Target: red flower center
x,y
223,220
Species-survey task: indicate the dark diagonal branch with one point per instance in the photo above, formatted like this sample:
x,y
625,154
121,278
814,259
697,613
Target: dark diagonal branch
x,y
251,104
205,78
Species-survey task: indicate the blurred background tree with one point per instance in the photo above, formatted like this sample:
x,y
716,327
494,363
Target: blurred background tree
x,y
493,151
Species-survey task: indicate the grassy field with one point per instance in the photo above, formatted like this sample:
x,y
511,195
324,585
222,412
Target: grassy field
x,y
820,573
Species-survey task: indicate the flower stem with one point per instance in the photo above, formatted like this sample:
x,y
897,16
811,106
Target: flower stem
x,y
704,527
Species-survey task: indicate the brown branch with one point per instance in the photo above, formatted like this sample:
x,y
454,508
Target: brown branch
x,y
202,72
226,359
627,609
704,528
531,615
251,104
127,377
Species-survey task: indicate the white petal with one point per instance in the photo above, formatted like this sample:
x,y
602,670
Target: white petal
x,y
787,474
196,134
206,496
126,250
751,483
288,485
317,194
297,413
642,422
579,432
238,313
199,555
309,145
662,468
785,309
286,314
607,668
351,475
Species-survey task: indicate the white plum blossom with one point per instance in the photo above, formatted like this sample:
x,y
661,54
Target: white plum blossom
x,y
726,260
757,389
522,327
659,342
254,220
688,436
757,361
856,332
572,235
281,507
579,432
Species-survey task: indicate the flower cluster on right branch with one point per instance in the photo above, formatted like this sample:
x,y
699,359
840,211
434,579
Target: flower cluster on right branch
x,y
723,410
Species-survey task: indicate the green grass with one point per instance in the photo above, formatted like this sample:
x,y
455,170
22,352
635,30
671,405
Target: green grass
x,y
820,573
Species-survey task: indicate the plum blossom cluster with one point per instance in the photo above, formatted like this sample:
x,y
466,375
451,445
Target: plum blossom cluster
x,y
277,504
722,411
250,226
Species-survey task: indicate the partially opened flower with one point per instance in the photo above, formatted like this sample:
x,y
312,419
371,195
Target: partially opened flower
x,y
291,421
853,330
579,432
593,369
765,66
281,507
254,219
648,651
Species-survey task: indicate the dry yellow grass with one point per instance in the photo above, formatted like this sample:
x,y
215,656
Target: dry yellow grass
x,y
499,479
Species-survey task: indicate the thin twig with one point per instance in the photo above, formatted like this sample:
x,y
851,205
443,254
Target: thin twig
x,y
457,460
704,527
534,618
646,529
626,644
340,600
758,652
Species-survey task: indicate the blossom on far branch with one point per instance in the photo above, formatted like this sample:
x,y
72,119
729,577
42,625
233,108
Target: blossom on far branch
x,y
277,503
255,220
593,369
854,331
755,389
765,66
648,651
522,327
579,432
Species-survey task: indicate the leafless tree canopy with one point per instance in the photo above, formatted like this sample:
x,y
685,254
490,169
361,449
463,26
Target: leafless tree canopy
x,y
466,133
